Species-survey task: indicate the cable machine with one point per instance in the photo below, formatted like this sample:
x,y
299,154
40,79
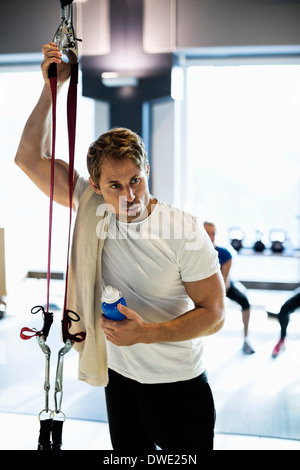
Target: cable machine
x,y
51,421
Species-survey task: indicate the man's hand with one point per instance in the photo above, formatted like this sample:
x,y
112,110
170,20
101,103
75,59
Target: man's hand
x,y
52,54
125,332
206,318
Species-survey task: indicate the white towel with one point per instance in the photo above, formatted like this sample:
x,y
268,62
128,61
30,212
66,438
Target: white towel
x,y
84,287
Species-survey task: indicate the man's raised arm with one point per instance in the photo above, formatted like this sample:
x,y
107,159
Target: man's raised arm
x,y
33,153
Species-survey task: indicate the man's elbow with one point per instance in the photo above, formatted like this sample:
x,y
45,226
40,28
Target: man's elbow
x,y
219,321
25,162
19,160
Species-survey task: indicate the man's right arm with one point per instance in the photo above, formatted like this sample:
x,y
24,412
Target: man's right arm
x,y
33,153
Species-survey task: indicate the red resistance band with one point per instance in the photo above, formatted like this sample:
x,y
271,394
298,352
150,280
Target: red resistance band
x,y
71,114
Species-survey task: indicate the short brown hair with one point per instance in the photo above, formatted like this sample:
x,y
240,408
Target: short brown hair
x,y
117,143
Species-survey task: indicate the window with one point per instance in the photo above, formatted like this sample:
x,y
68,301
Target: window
x,y
24,210
243,147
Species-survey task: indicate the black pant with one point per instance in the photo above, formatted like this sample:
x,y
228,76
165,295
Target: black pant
x,y
177,416
238,296
292,304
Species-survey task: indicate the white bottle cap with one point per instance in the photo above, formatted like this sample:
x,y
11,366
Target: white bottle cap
x,y
111,295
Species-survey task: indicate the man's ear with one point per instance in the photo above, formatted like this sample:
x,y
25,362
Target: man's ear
x,y
95,186
148,171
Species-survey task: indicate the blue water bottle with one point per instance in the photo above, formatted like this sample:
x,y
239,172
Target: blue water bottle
x,y
110,299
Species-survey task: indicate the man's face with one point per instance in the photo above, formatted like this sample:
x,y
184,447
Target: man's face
x,y
125,187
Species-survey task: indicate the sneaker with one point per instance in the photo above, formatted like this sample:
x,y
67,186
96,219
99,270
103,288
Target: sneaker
x,y
247,349
278,348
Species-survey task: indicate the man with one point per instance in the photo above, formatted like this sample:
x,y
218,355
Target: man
x,y
232,291
161,259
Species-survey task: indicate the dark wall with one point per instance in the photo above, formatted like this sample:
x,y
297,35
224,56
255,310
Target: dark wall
x,y
25,25
127,57
232,23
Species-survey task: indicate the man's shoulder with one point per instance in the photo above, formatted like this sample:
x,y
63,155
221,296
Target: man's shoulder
x,y
169,208
79,189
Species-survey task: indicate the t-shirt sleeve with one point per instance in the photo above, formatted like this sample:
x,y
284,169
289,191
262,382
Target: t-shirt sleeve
x,y
224,254
80,187
198,259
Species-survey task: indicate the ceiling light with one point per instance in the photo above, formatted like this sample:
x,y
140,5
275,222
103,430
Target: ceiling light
x,y
115,79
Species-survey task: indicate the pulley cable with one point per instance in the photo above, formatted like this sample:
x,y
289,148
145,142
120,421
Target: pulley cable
x,y
51,422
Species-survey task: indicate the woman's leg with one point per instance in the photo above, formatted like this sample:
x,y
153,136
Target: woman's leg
x,y
287,308
238,296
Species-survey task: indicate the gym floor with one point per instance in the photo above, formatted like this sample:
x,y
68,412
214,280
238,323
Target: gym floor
x,y
22,395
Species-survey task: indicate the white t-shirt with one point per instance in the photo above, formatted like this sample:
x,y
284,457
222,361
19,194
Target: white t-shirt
x,y
147,261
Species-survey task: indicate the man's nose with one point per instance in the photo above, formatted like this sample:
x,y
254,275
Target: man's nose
x,y
129,194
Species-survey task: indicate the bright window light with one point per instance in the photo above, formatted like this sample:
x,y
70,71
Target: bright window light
x,y
177,83
243,165
23,208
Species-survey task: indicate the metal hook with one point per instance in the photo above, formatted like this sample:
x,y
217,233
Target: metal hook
x,y
59,375
65,38
46,350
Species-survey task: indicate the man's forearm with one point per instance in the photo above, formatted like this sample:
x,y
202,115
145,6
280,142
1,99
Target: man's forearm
x,y
192,324
35,139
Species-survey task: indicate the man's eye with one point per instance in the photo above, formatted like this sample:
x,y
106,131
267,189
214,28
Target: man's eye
x,y
115,186
135,180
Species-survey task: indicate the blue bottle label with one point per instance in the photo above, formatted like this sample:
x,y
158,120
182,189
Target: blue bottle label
x,y
111,311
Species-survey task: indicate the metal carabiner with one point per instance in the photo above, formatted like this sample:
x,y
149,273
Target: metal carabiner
x,y
65,38
59,376
46,350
